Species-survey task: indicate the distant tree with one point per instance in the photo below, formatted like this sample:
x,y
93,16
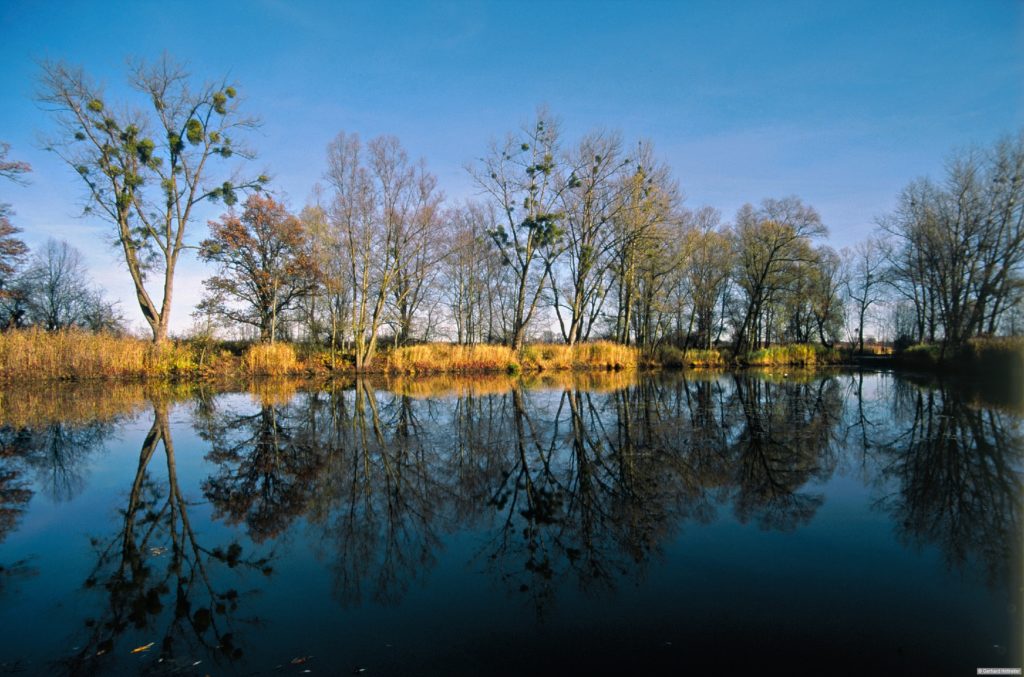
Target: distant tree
x,y
12,249
648,201
385,218
145,172
770,241
477,283
589,198
707,269
264,265
826,302
865,281
56,293
956,248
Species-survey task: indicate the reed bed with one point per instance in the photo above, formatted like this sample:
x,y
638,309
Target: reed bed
x,y
793,355
33,353
675,358
598,355
434,358
271,359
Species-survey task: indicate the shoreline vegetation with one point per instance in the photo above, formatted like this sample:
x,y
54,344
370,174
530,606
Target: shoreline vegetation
x,y
36,355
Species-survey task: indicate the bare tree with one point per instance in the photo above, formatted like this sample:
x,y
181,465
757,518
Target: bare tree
x,y
520,177
12,249
589,196
55,292
145,172
768,242
957,249
649,200
864,283
383,206
706,269
475,279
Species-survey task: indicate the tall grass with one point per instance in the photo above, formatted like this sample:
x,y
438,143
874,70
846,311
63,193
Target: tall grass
x,y
793,355
38,355
34,353
674,358
270,359
435,358
598,355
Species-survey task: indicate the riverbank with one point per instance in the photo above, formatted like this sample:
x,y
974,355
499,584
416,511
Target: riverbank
x,y
34,355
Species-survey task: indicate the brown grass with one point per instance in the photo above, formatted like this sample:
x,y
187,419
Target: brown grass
x,y
33,355
435,358
270,359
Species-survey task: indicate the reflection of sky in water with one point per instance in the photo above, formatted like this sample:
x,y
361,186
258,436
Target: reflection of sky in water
x,y
717,519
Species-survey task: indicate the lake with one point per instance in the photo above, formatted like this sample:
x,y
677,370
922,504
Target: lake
x,y
840,523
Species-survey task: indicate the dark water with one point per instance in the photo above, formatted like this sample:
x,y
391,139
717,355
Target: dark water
x,y
831,524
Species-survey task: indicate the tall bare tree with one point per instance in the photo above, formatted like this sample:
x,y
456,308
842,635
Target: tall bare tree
x,y
769,241
520,176
12,248
383,205
590,197
145,172
864,281
957,247
648,201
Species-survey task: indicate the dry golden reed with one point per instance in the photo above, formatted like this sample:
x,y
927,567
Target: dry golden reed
x,y
270,359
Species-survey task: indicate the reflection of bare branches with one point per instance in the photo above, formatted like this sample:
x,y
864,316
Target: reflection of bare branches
x,y
15,492
156,531
381,497
784,441
958,480
267,463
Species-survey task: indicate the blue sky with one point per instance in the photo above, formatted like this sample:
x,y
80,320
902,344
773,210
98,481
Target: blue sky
x,y
840,103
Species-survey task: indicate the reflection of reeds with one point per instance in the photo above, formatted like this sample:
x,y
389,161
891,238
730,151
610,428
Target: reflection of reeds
x,y
275,392
453,385
46,403
795,354
445,358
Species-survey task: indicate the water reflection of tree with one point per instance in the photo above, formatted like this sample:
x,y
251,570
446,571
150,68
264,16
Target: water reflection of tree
x,y
155,575
578,499
571,484
956,477
55,454
267,463
382,496
15,489
783,438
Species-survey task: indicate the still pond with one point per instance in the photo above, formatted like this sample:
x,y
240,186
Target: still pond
x,y
841,523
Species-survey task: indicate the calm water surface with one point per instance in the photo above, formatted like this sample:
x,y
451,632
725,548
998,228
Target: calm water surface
x,y
842,523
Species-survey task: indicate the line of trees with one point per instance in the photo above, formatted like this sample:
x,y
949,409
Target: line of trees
x,y
569,241
51,288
